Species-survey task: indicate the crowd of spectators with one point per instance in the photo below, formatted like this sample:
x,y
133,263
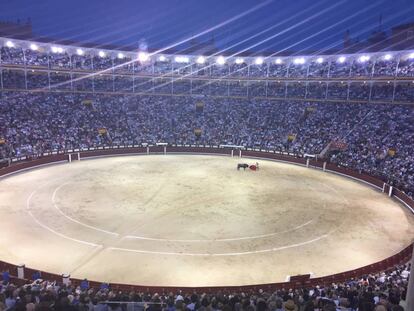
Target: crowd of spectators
x,y
384,291
361,91
374,138
60,69
33,123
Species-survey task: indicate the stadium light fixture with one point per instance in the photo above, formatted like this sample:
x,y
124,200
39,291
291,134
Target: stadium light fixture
x,y
101,54
10,44
121,55
54,49
319,60
387,56
34,47
79,52
278,61
181,59
299,61
60,50
143,56
239,61
220,60
341,59
411,56
200,60
162,58
259,61
364,58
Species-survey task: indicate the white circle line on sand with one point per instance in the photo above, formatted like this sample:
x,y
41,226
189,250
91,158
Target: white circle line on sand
x,y
219,240
73,219
52,230
275,249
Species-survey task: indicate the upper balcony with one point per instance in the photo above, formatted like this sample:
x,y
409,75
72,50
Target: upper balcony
x,y
360,66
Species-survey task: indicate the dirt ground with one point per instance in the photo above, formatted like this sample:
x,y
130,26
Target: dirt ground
x,y
192,220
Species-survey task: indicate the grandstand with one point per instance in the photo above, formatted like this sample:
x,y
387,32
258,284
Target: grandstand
x,y
369,77
122,164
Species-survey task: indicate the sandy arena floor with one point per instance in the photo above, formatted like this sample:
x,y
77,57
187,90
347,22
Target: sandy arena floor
x,y
192,220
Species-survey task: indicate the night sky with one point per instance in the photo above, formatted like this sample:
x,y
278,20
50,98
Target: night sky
x,y
255,25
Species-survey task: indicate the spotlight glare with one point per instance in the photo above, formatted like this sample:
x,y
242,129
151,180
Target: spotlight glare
x,y
342,59
54,49
411,56
10,44
221,60
162,58
79,52
101,54
387,56
259,61
143,56
319,60
59,50
34,47
239,61
278,61
200,60
121,55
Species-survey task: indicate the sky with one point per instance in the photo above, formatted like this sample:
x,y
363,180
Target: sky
x,y
235,25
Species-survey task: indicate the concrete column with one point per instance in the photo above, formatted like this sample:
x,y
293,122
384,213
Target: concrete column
x,y
78,156
147,150
232,153
324,166
390,192
70,158
307,162
410,290
383,187
20,271
165,149
240,155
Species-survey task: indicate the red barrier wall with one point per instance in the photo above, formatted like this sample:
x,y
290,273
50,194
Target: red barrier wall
x,y
383,265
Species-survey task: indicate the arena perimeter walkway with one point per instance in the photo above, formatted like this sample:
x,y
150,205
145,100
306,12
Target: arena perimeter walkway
x,y
192,220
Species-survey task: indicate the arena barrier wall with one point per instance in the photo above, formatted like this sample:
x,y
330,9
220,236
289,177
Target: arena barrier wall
x,y
25,163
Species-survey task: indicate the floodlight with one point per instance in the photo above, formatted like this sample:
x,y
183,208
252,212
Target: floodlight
x,y
239,61
34,47
162,58
258,61
387,56
79,52
54,49
200,60
319,60
101,54
221,60
363,58
341,59
9,44
181,59
121,55
60,50
143,56
411,56
278,61
299,61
